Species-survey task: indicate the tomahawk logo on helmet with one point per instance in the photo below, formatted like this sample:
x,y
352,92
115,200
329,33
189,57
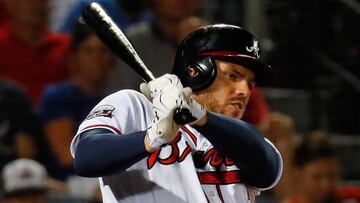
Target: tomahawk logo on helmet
x,y
194,61
255,48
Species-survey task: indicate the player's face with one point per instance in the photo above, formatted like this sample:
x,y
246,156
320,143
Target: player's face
x,y
318,179
230,92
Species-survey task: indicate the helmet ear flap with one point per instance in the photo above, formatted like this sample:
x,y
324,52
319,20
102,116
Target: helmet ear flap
x,y
193,71
200,73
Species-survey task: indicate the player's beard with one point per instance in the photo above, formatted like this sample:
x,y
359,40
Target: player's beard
x,y
224,106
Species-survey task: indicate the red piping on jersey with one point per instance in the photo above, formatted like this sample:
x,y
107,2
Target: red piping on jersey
x,y
192,136
207,199
226,53
219,193
185,153
103,125
219,177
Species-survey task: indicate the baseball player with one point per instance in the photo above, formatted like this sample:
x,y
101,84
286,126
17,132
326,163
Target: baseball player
x,y
131,142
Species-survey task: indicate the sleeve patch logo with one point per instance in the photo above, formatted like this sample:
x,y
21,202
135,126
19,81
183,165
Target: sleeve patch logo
x,y
101,111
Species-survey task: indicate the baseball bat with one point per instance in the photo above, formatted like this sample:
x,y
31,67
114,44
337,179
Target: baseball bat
x,y
112,36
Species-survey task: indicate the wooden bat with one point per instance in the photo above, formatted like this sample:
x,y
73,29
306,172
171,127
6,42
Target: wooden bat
x,y
112,36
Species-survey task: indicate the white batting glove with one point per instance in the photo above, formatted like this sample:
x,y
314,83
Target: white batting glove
x,y
161,132
196,109
165,101
154,87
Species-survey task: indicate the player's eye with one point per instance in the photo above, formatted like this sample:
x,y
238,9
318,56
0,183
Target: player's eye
x,y
231,76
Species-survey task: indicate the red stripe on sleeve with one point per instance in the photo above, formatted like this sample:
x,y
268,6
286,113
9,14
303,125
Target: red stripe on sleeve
x,y
103,125
219,177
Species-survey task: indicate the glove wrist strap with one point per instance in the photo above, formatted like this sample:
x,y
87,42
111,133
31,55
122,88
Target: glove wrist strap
x,y
154,138
197,111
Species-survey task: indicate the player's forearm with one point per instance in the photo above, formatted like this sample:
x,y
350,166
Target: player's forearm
x,y
100,152
242,142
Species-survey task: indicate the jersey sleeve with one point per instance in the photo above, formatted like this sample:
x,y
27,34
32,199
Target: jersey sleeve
x,y
280,171
123,112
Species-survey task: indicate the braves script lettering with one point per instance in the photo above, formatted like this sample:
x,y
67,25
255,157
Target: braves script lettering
x,y
201,158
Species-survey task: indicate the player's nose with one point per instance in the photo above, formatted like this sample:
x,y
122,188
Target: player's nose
x,y
242,88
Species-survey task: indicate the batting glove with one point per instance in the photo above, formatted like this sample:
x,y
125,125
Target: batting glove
x,y
161,132
165,100
196,109
154,87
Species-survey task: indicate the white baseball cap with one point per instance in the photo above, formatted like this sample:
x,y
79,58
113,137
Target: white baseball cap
x,y
23,174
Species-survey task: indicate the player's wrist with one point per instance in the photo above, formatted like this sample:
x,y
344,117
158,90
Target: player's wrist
x,y
198,112
201,121
147,145
154,139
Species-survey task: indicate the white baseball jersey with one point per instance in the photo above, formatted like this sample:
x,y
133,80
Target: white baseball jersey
x,y
189,169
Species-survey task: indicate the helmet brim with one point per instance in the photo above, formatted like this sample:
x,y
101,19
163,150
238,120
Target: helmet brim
x,y
264,74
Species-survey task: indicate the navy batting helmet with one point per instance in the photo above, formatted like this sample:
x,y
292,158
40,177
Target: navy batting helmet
x,y
201,47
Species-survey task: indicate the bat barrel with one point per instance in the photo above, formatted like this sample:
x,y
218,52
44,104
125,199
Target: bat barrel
x,y
111,35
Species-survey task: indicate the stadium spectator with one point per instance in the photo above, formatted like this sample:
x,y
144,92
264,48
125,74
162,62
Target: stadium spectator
x,y
123,12
20,134
30,54
280,129
59,10
161,34
3,13
65,104
24,181
317,172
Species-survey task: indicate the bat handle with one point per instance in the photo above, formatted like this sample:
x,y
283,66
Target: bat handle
x,y
183,116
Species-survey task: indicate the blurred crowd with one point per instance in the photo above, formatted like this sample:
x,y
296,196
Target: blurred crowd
x,y
54,69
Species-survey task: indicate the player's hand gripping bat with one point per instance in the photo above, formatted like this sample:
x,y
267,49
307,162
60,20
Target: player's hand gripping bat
x,y
111,35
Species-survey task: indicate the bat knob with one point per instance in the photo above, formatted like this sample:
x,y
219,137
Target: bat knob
x,y
183,116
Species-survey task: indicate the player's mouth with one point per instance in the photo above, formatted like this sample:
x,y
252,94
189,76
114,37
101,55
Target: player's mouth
x,y
239,105
236,109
